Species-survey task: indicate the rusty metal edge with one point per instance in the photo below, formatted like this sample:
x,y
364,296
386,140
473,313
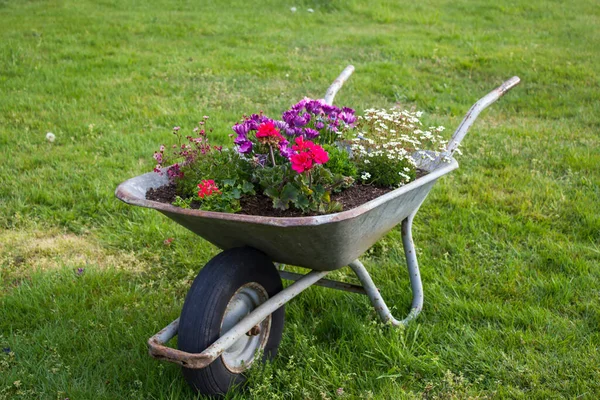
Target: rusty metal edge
x,y
158,350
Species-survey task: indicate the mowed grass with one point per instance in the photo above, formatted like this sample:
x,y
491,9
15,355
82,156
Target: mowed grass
x,y
509,244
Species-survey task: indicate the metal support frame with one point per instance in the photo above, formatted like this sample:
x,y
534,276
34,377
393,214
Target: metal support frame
x,y
156,344
475,110
414,275
369,288
328,283
337,84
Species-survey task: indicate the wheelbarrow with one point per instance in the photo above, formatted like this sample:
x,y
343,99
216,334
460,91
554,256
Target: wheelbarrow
x,y
234,312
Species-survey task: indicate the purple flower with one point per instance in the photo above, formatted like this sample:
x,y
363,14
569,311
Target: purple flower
x,y
289,116
281,125
80,271
347,118
244,145
310,133
314,107
284,150
252,125
255,120
347,115
327,109
300,105
241,129
319,125
301,120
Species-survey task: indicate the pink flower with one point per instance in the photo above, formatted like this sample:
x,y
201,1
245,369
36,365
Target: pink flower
x,y
207,188
307,154
174,171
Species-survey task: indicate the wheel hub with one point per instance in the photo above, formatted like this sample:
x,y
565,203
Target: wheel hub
x,y
241,354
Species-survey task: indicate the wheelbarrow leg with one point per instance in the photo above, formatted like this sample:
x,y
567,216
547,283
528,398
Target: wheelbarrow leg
x,y
414,275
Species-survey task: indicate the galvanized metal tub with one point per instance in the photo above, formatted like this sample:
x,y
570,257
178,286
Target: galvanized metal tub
x,y
322,243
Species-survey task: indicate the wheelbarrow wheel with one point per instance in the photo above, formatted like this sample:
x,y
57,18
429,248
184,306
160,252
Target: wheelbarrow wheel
x,y
228,288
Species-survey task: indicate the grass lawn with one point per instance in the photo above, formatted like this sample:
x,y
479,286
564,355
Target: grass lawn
x,y
509,244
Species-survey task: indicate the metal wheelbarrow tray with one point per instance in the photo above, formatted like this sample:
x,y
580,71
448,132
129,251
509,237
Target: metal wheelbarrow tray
x,y
321,243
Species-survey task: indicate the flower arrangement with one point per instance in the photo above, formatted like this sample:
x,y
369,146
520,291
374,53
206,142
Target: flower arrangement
x,y
387,140
300,161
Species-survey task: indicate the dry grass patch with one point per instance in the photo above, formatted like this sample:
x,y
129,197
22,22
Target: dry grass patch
x,y
25,252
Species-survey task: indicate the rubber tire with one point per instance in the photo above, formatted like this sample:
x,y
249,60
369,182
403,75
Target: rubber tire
x,y
204,307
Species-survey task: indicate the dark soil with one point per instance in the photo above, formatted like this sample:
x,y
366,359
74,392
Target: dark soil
x,y
262,205
163,194
350,198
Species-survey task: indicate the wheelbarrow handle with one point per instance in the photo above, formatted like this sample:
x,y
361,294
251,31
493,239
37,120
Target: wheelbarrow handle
x,y
337,84
478,107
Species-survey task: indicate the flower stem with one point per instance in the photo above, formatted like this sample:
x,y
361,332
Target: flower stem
x,y
272,155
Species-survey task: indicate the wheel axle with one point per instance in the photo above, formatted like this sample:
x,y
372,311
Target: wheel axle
x,y
255,330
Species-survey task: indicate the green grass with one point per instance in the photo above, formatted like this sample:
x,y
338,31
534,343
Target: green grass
x,y
509,244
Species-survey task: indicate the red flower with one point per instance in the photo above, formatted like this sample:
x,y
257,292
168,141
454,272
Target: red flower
x,y
308,153
207,188
267,133
319,154
301,162
302,145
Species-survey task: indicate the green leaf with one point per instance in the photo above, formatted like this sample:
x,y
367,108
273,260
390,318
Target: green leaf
x,y
302,202
289,193
248,187
182,203
229,182
280,204
334,206
272,192
318,192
